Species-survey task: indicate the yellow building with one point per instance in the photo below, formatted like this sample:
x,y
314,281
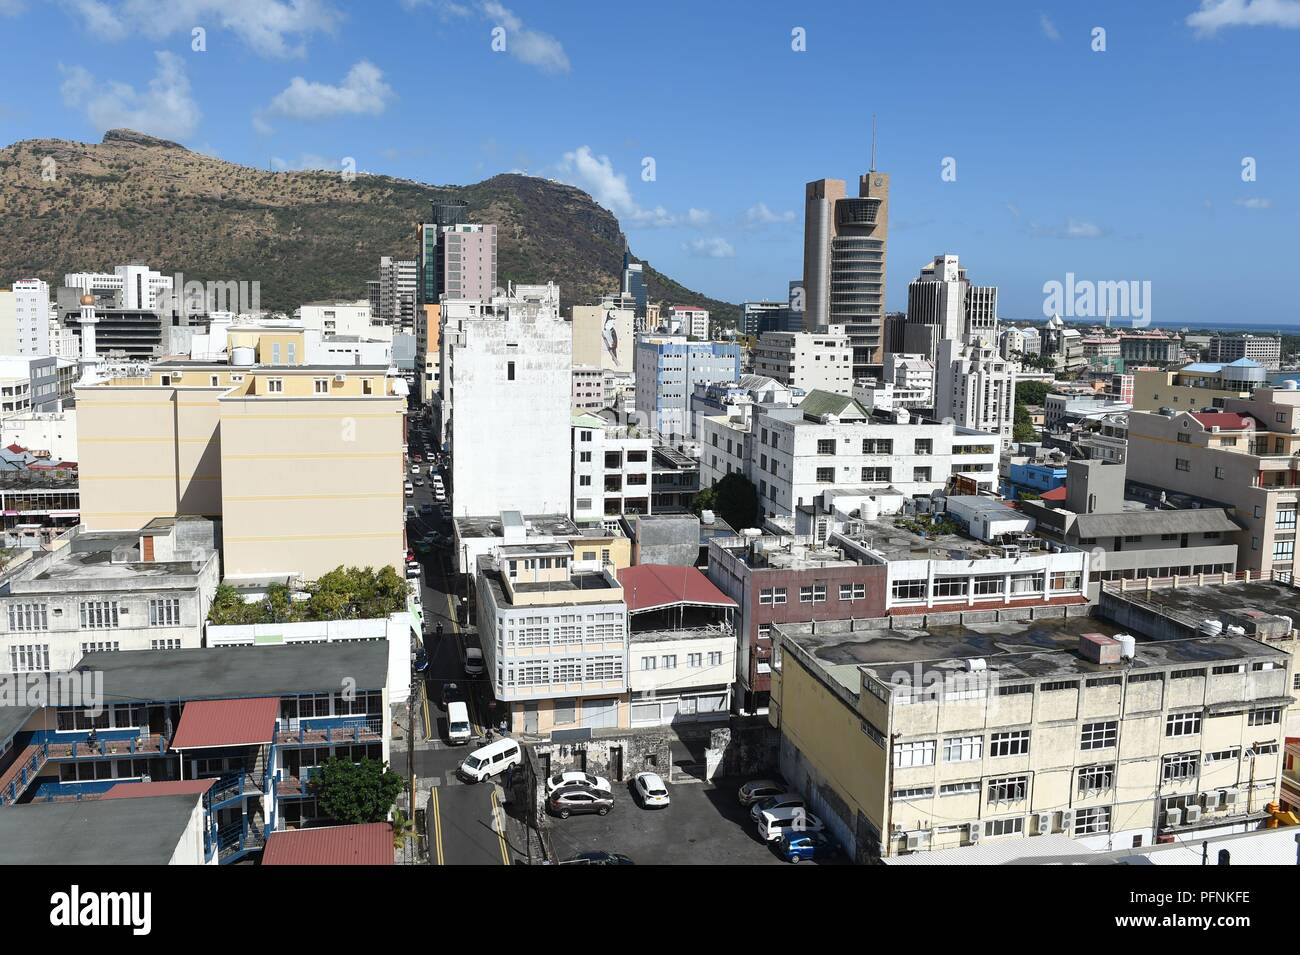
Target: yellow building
x,y
302,464
909,740
1195,387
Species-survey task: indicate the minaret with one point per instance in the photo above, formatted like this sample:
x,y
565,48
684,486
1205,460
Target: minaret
x,y
89,356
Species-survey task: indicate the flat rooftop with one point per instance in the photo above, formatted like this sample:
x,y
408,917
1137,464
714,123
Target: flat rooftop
x,y
575,584
1013,649
99,565
94,832
539,525
217,673
788,554
893,542
1209,602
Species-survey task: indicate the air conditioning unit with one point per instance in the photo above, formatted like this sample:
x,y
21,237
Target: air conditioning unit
x,y
1044,824
1192,814
1067,820
177,375
973,833
1231,797
1213,800
339,379
916,840
1173,817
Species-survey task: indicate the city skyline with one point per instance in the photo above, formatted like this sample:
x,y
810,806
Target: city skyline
x,y
1102,187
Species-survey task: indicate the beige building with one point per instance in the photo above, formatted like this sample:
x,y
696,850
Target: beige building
x,y
302,464
1246,456
911,740
1195,387
428,347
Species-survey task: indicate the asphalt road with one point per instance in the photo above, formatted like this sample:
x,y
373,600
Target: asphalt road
x,y
466,823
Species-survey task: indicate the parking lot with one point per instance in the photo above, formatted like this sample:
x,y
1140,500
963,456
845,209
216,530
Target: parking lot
x,y
703,825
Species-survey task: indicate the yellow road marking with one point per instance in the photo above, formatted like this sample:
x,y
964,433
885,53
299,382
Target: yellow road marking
x,y
437,826
424,701
500,827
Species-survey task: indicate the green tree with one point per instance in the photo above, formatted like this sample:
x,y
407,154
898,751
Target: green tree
x,y
350,793
1032,392
734,498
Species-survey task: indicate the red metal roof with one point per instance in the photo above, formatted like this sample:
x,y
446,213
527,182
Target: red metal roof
x,y
366,844
1055,494
182,787
651,586
206,723
1223,419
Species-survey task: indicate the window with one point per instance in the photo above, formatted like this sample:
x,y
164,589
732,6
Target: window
x,y
1094,780
321,386
166,643
915,792
29,616
959,789
962,749
1092,820
825,475
1013,743
649,663
924,446
1099,735
951,586
101,646
826,446
778,596
694,660
510,371
670,661
715,658
1188,674
1005,827
853,591
1183,724
1229,668
877,475
914,754
1264,717
1052,685
98,614
921,475
1027,583
878,446
1286,517
1014,689
1179,766
1100,681
765,596
1284,550
988,584
1182,464
1008,789
814,593
908,589
29,658
165,612
1184,438
1222,755
1069,580
274,386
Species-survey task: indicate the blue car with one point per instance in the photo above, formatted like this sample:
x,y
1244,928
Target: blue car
x,y
798,846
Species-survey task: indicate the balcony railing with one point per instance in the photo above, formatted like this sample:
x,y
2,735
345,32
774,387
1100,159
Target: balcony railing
x,y
326,730
135,744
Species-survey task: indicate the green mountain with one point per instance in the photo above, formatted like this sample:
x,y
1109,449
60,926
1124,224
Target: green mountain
x,y
69,206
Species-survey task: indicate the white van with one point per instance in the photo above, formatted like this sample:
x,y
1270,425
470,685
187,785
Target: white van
x,y
490,759
775,823
458,730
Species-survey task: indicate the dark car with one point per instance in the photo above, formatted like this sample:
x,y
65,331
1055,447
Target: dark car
x,y
451,694
579,799
599,858
798,846
426,508
421,661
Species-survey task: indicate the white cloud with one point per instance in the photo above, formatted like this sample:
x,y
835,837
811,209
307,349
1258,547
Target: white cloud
x,y
362,92
276,28
527,46
1254,203
306,161
759,215
165,108
1013,209
609,188
714,248
1214,15
1049,28
1075,229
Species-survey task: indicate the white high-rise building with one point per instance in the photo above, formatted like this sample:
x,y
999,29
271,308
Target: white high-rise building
x,y
30,332
398,279
138,285
507,379
807,360
976,388
943,304
913,374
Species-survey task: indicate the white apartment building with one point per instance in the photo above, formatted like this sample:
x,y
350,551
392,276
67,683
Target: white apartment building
x,y
807,360
398,279
688,320
342,318
54,431
27,331
611,470
107,591
913,373
831,441
975,388
554,639
507,382
1026,341
138,286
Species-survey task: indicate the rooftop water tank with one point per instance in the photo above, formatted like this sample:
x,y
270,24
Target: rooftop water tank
x,y
242,355
870,509
1211,628
1127,645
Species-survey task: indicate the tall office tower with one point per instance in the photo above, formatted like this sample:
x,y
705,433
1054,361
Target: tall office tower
x,y
633,285
845,242
373,297
943,305
29,333
443,213
975,387
397,287
467,261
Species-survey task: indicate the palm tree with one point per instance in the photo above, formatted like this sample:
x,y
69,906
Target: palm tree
x,y
403,829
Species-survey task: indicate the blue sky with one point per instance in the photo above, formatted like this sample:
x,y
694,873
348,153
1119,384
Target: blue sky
x,y
1117,165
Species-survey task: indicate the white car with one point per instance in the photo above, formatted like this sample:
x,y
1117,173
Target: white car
x,y
573,778
774,824
650,789
415,469
775,804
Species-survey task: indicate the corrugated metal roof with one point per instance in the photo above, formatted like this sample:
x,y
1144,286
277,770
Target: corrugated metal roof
x,y
819,402
1134,523
206,723
180,787
651,586
1223,419
365,844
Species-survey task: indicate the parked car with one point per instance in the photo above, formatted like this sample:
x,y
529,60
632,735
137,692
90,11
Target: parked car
x,y
783,801
410,511
573,778
419,482
757,790
426,509
451,694
798,846
473,661
599,857
421,661
415,469
650,790
417,459
579,799
775,823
